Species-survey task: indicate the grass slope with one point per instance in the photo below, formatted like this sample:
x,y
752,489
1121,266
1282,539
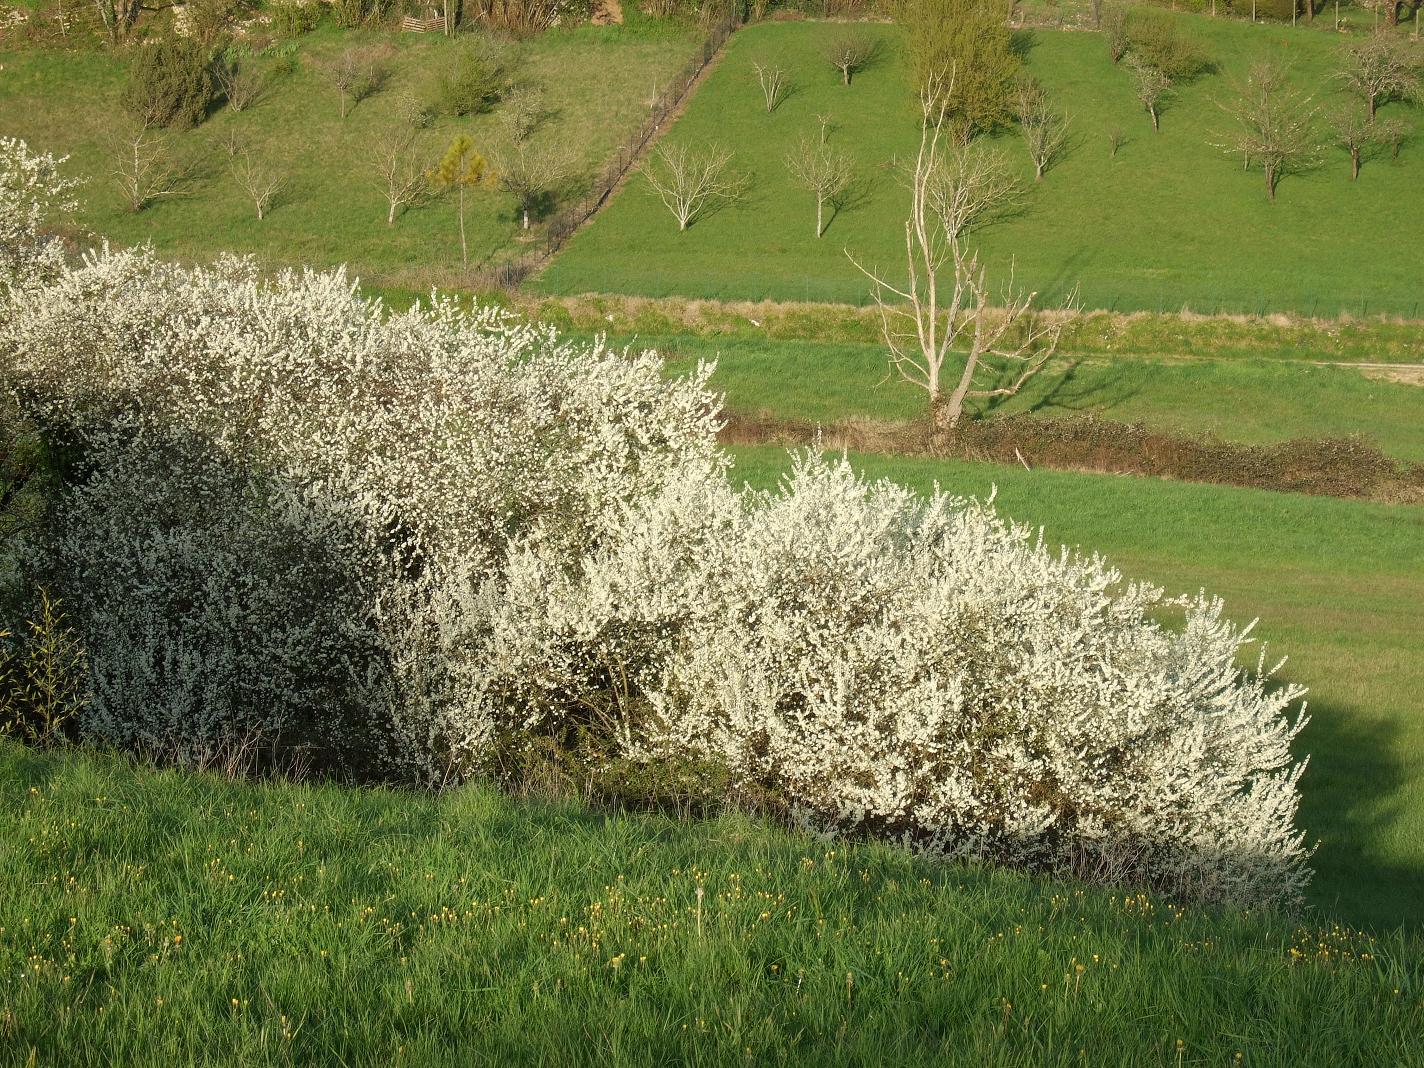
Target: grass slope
x,y
597,82
1170,221
1336,585
1236,400
157,918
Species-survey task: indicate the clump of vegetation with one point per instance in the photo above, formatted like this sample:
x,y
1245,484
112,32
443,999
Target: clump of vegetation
x,y
470,77
171,83
963,50
299,571
1156,39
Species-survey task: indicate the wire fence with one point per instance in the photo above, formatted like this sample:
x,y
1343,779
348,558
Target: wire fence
x,y
562,226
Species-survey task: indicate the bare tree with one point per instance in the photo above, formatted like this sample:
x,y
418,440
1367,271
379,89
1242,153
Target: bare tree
x,y
851,51
1114,27
531,173
824,170
145,169
396,170
968,187
690,181
774,85
241,84
1275,125
944,302
1044,128
257,180
1380,69
1351,129
1151,85
1116,139
355,74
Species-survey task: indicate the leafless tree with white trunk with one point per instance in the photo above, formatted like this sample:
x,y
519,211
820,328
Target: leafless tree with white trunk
x,y
825,171
690,181
355,74
144,167
774,83
397,172
532,173
1152,86
260,182
1044,127
851,51
945,302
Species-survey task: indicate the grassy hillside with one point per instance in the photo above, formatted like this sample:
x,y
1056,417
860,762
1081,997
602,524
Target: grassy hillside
x,y
157,918
1171,221
598,81
1336,585
1236,400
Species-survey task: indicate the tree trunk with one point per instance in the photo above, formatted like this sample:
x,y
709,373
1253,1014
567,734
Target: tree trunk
x,y
464,249
1372,108
1271,182
1354,162
391,215
819,228
1037,171
845,75
1153,111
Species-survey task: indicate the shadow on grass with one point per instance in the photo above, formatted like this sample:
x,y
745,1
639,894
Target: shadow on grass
x,y
1352,800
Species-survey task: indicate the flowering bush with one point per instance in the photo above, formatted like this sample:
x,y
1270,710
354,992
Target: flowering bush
x,y
32,188
411,542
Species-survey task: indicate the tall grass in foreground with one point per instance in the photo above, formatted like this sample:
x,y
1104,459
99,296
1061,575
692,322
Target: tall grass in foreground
x,y
159,917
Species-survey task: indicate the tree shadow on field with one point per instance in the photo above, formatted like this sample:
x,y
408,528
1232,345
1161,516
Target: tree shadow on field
x,y
1022,42
1351,802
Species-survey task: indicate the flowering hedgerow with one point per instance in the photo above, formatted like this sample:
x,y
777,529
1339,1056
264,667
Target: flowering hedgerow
x,y
409,542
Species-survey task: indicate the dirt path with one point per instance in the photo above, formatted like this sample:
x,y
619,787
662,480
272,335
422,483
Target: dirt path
x,y
609,13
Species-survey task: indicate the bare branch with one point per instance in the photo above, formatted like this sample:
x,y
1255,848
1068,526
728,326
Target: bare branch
x,y
774,83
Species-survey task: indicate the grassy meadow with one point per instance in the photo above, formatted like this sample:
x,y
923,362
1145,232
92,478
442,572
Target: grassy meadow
x,y
1248,401
598,82
160,917
1169,222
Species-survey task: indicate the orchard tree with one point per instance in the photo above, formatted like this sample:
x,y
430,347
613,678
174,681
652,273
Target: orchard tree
x,y
532,173
257,179
1151,85
144,167
396,171
1275,125
1352,130
772,79
355,74
945,304
461,168
824,170
691,181
1044,128
850,52
1380,69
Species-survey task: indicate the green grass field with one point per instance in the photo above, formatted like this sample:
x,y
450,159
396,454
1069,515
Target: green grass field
x,y
1170,222
1250,401
1337,587
597,80
156,918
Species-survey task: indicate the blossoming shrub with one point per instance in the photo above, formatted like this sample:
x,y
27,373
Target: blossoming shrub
x,y
925,670
413,543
